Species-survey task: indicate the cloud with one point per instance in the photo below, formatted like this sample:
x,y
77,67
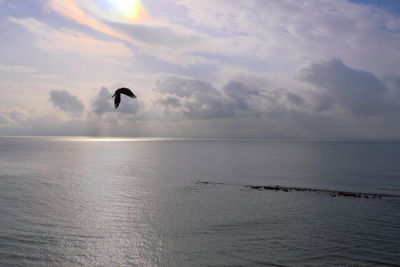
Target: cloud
x,y
67,40
196,99
82,12
12,117
288,33
140,29
359,91
170,101
162,35
171,43
193,99
393,83
284,33
240,93
66,102
2,120
295,99
17,69
222,68
104,103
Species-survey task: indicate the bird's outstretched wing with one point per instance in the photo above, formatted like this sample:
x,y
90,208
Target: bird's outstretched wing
x,y
117,100
126,91
117,95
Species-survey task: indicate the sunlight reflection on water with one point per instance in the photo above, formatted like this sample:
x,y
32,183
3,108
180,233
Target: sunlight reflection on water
x,y
111,139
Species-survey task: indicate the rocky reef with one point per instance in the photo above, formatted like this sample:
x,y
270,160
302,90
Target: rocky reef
x,y
332,193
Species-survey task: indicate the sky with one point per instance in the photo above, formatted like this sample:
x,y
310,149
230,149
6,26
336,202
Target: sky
x,y
210,69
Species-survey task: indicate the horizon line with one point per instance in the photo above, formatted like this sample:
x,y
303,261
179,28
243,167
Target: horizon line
x,y
164,138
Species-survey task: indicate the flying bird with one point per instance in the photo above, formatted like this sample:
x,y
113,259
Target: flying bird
x,y
117,94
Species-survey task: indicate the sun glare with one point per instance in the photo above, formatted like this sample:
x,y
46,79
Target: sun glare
x,y
132,9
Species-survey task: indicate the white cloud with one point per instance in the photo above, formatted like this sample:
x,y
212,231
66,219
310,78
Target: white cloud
x,y
67,40
17,69
169,43
258,35
288,33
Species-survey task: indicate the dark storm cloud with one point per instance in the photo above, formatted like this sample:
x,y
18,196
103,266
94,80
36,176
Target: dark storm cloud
x,y
65,101
361,92
104,103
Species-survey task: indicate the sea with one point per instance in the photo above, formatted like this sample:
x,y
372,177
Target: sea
x,y
81,201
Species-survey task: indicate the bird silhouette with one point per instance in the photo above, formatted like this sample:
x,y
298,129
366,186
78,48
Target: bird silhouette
x,y
117,94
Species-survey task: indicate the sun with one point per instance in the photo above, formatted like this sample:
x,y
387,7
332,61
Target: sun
x,y
132,9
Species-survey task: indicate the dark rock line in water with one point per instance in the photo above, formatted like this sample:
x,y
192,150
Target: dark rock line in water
x,y
332,193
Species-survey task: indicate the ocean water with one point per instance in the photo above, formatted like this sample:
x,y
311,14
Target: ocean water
x,y
118,202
